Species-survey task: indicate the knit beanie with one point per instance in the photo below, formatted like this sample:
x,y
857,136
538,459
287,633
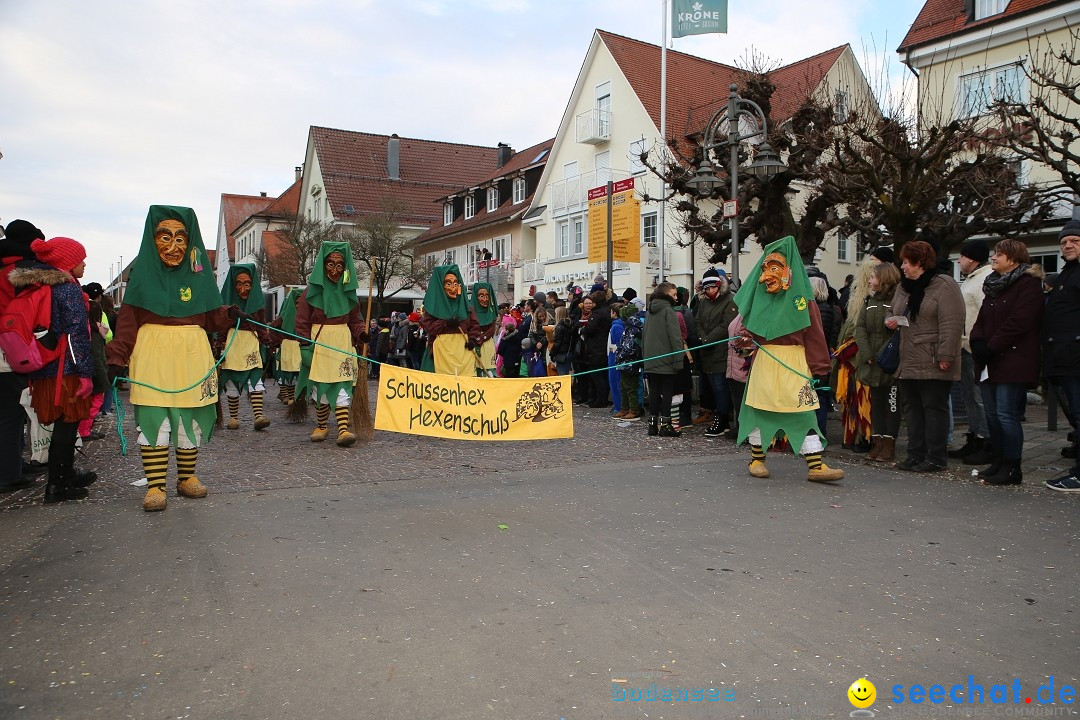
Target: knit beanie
x,y
93,290
22,232
976,250
884,254
1071,229
629,294
60,252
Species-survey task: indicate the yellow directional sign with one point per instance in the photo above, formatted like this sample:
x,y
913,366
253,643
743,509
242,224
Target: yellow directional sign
x,y
625,223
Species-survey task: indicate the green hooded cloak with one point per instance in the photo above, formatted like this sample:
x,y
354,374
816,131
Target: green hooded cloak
x,y
255,301
436,304
334,299
483,317
788,311
190,288
288,313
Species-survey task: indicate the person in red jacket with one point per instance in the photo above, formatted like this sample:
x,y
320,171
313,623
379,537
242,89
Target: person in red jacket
x,y
14,253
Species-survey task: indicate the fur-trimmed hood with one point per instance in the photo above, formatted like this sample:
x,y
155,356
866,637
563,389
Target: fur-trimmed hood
x,y
39,275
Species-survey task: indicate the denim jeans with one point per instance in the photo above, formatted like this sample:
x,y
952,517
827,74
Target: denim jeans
x,y
721,397
1070,385
973,399
1005,403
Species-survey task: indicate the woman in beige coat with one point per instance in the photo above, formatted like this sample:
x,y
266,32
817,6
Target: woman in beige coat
x,y
929,354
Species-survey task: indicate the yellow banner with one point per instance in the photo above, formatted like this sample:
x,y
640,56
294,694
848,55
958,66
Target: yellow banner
x,y
465,408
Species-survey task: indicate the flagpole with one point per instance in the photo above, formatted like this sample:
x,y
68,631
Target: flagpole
x,y
663,138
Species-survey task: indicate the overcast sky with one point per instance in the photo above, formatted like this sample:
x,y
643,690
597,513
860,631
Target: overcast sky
x,y
110,106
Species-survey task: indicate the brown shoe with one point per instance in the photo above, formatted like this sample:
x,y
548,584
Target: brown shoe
x,y
875,447
345,438
190,487
703,418
758,469
886,450
633,415
620,415
262,422
154,499
319,434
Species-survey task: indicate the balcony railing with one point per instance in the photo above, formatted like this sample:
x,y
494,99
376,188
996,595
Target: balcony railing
x,y
653,258
533,270
594,127
572,194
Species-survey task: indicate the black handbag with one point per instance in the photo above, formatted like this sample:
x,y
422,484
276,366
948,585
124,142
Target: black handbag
x,y
888,358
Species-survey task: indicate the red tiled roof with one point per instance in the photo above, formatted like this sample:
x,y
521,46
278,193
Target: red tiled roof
x,y
690,78
939,19
237,209
354,170
507,208
283,207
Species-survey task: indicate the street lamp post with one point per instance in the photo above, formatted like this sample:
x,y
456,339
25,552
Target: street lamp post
x,y
766,165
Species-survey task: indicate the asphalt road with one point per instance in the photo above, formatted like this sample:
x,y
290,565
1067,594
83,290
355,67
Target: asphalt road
x,y
543,593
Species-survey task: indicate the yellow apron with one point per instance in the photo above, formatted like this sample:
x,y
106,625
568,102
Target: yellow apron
x,y
330,366
290,356
172,357
450,356
776,388
487,355
243,353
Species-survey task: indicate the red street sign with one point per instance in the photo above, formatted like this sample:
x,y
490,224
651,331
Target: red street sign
x,y
620,186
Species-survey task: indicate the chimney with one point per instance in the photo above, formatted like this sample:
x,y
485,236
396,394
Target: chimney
x,y
393,158
262,194
299,172
505,152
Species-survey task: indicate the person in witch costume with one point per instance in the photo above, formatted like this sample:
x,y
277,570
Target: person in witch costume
x,y
328,313
242,367
171,303
287,364
447,321
779,314
484,320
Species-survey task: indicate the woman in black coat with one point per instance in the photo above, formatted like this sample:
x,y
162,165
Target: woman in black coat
x,y
1005,344
594,336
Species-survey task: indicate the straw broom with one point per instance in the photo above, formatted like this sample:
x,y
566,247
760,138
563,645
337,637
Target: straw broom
x,y
359,411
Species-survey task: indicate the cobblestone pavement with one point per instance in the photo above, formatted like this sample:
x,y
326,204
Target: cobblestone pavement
x,y
282,456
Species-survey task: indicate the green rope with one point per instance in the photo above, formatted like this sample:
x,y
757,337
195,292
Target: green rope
x,y
584,372
118,406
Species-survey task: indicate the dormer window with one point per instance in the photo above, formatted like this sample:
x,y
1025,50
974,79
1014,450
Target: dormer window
x,y
447,213
492,199
989,8
470,206
519,190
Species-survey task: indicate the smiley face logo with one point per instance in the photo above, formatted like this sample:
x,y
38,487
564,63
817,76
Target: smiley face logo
x,y
862,693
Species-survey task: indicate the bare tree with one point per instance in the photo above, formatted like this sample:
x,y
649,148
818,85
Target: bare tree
x,y
876,175
1045,128
386,254
765,212
295,251
891,181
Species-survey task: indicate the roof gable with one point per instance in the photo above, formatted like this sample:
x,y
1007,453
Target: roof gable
x,y
940,19
235,209
690,78
354,172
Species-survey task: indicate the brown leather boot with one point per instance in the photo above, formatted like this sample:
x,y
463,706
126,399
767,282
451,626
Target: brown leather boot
x,y
886,450
875,447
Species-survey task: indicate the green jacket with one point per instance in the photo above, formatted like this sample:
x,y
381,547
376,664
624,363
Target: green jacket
x,y
713,318
662,336
870,336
